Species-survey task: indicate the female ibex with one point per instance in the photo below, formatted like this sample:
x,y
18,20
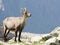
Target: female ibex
x,y
15,24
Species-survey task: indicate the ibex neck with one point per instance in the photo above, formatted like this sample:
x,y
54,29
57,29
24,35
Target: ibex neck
x,y
24,17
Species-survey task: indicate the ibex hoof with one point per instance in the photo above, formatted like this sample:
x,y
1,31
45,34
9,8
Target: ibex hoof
x,y
5,40
19,41
15,40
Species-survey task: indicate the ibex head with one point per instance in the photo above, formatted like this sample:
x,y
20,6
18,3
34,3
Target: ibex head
x,y
25,12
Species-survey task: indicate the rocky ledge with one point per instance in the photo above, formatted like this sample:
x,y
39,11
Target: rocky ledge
x,y
52,38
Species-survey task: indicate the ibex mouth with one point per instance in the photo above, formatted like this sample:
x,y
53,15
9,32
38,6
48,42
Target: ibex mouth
x,y
29,15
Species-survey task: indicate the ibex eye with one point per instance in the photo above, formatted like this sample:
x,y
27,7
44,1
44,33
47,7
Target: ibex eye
x,y
25,12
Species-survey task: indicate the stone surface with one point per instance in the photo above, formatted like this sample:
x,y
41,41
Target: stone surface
x,y
36,39
31,38
51,40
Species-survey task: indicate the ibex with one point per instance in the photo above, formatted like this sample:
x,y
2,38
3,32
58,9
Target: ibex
x,y
15,24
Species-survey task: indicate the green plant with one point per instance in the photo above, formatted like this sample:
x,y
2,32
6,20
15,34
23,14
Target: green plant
x,y
55,34
1,44
45,38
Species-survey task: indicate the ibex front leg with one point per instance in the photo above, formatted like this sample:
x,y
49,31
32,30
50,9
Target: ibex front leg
x,y
15,35
19,35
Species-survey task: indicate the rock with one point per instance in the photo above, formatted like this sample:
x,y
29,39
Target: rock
x,y
51,40
28,35
56,30
32,39
36,38
3,43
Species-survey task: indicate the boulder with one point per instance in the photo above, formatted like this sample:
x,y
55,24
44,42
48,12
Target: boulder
x,y
36,39
51,40
56,30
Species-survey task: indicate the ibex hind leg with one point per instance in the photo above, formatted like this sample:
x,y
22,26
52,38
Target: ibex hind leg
x,y
5,39
5,34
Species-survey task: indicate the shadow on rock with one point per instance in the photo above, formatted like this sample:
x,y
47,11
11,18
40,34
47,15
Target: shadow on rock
x,y
9,36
